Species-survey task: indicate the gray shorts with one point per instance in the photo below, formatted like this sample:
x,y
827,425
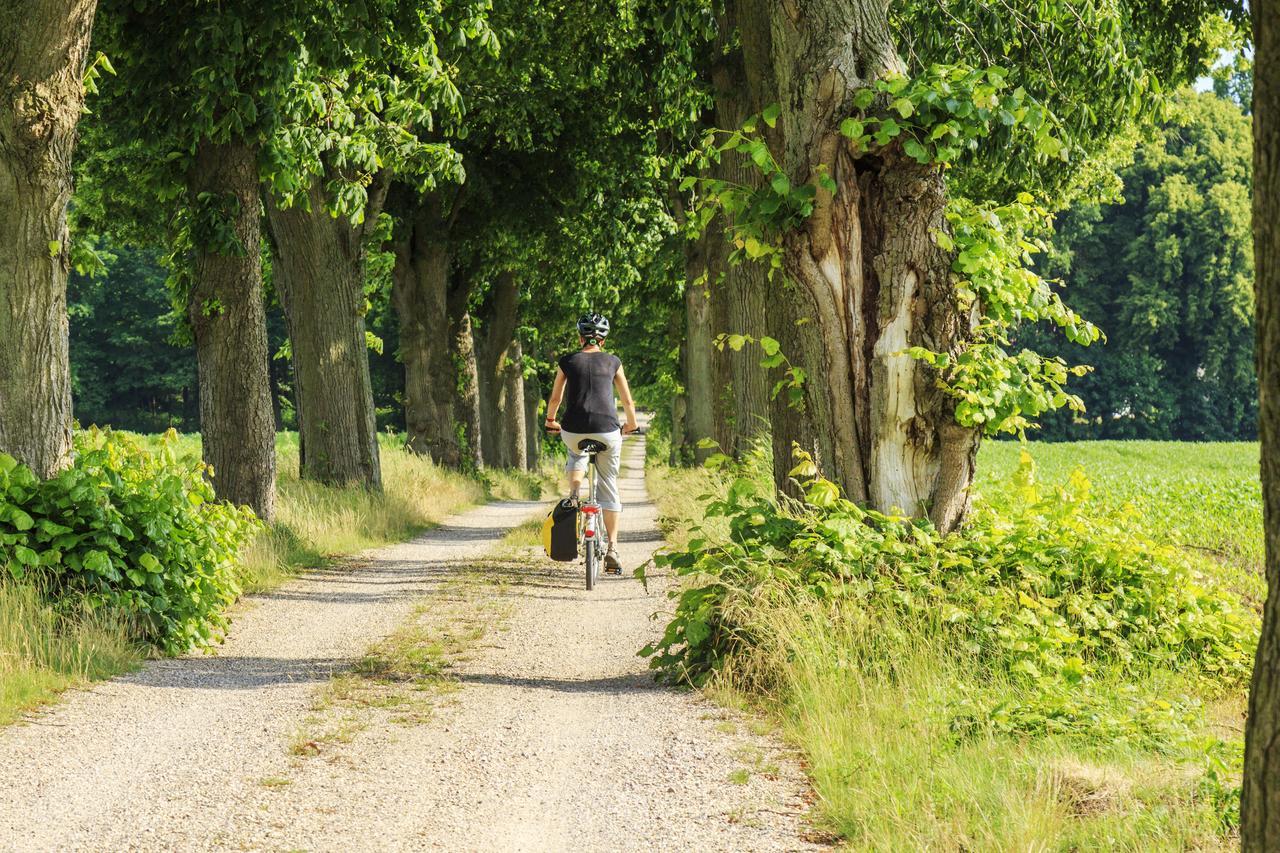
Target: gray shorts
x,y
608,462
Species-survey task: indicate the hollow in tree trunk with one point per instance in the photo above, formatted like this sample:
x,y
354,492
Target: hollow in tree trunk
x,y
225,308
1260,806
43,47
319,273
867,259
500,361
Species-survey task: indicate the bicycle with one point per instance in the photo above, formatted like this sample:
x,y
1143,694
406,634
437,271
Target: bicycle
x,y
593,544
594,536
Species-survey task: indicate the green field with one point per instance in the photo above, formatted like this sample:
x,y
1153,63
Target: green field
x,y
872,700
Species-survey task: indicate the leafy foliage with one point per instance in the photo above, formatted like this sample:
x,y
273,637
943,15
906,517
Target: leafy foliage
x,y
1169,274
997,390
1036,589
131,532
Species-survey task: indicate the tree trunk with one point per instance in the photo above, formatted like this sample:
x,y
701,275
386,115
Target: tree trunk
x,y
230,324
1260,805
796,414
43,47
467,399
319,274
532,422
867,259
745,284
699,369
435,338
500,361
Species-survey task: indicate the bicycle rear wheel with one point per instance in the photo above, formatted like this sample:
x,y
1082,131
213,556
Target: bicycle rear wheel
x,y
592,564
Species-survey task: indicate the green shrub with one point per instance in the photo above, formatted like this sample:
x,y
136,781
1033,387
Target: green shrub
x,y
1035,589
134,533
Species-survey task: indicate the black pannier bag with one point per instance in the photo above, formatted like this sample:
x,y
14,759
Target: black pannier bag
x,y
560,531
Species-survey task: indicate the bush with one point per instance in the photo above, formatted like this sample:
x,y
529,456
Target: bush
x,y
133,533
1035,589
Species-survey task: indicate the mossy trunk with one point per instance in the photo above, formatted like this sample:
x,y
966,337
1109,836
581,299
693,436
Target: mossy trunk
x,y
43,49
866,258
237,425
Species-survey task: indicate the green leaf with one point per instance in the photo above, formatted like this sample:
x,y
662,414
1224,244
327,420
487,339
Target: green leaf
x,y
55,248
904,107
769,345
916,151
771,113
851,128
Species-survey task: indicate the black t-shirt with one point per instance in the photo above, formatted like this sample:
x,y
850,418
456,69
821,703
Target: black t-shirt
x,y
588,393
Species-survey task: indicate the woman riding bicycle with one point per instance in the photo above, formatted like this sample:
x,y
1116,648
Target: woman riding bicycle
x,y
586,379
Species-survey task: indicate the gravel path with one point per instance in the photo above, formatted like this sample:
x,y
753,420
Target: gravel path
x,y
557,740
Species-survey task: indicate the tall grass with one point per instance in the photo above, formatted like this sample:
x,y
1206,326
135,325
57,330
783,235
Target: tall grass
x,y
43,652
870,699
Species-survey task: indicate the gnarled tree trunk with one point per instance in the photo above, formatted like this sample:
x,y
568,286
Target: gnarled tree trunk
x,y
1260,806
43,47
319,273
225,308
867,259
500,361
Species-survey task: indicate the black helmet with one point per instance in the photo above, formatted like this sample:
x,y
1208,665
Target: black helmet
x,y
593,326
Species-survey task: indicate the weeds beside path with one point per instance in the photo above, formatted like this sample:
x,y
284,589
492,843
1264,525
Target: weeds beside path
x,y
43,653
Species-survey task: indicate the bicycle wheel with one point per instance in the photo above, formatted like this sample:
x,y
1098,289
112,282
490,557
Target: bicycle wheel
x,y
591,564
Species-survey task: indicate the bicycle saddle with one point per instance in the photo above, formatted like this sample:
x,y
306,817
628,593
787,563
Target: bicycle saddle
x,y
590,445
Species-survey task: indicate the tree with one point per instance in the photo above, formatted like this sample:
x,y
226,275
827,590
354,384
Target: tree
x,y
1260,804
1170,269
44,45
911,304
353,129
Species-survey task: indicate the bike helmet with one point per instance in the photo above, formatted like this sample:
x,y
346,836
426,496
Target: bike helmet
x,y
593,327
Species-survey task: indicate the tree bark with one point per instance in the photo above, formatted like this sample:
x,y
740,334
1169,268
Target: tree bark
x,y
699,368
745,284
532,422
500,360
43,48
1260,804
435,337
796,418
867,259
319,273
229,321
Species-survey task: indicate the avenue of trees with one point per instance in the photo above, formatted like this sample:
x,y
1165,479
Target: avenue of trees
x,y
815,221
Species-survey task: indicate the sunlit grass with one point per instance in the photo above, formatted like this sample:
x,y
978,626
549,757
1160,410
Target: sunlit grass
x,y
869,702
43,652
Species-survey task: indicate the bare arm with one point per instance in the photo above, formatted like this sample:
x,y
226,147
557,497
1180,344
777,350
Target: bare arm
x,y
553,404
628,404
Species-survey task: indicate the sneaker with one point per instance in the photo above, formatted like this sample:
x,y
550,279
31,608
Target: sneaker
x,y
611,564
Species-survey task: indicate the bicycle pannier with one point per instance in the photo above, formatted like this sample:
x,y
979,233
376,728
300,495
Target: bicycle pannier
x,y
560,531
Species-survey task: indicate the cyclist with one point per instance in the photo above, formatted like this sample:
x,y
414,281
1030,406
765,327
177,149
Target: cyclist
x,y
586,380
